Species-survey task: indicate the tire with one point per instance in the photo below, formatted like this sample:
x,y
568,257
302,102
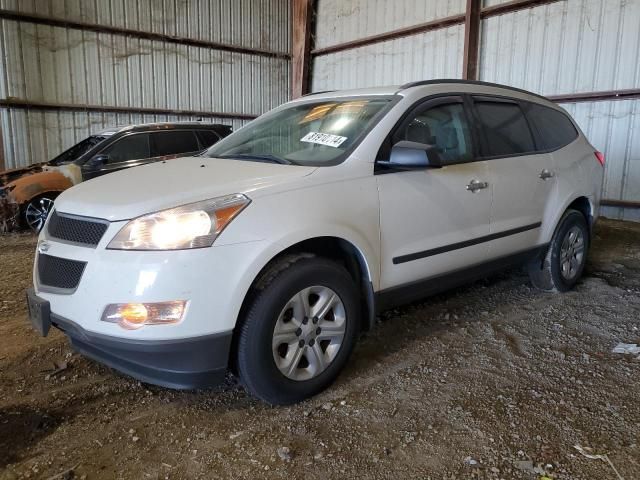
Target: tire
x,y
277,368
566,257
34,213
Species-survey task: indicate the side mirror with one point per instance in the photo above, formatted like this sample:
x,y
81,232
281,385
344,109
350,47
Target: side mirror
x,y
97,161
414,156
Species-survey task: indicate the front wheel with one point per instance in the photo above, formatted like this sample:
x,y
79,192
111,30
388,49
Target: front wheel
x,y
299,330
566,257
36,212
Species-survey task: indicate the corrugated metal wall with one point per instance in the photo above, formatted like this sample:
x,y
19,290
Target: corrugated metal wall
x,y
72,66
564,47
340,21
427,55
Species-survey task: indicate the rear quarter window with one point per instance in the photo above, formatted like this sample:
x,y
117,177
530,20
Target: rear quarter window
x,y
207,137
554,128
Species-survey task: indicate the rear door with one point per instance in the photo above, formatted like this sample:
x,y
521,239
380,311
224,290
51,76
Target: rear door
x,y
521,172
174,143
431,221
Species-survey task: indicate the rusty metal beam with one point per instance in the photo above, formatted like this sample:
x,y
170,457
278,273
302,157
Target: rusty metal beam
x,y
602,96
513,6
437,24
401,32
301,58
90,27
32,105
471,40
619,203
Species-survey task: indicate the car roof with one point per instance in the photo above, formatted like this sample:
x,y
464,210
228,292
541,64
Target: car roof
x,y
461,86
139,127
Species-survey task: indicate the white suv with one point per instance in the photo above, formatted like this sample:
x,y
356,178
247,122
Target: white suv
x,y
269,253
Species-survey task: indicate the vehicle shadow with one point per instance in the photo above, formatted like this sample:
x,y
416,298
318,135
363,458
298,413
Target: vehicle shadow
x,y
21,427
428,317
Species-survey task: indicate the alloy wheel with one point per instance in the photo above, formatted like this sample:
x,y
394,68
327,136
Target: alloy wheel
x,y
37,212
309,333
572,253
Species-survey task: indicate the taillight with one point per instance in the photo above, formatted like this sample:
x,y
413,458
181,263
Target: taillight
x,y
600,157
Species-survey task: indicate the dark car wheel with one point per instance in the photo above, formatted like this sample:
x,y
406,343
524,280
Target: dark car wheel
x,y
566,257
36,211
299,330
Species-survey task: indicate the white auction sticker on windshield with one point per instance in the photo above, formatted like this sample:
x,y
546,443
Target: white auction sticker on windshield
x,y
324,139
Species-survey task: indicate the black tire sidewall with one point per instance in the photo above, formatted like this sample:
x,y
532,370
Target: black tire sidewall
x,y
570,219
256,366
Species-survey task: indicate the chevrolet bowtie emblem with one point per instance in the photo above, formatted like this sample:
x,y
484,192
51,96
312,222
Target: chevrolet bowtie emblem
x,y
43,246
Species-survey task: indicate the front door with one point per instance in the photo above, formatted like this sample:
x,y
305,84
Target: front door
x,y
125,152
433,221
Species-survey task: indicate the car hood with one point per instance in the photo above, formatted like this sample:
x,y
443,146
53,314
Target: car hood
x,y
136,191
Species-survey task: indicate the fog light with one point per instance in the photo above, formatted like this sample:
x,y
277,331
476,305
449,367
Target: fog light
x,y
134,315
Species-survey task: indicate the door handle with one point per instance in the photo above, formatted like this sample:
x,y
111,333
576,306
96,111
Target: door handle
x,y
544,174
476,185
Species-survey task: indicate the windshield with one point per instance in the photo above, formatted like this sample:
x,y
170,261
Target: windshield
x,y
77,150
315,134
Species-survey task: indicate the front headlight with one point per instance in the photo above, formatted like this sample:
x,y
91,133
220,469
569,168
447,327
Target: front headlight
x,y
195,225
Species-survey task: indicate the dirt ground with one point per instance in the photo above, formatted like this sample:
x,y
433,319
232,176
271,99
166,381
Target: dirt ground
x,y
493,380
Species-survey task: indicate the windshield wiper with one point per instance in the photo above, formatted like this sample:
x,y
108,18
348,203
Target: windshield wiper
x,y
258,157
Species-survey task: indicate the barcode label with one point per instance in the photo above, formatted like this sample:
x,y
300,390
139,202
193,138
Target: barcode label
x,y
324,139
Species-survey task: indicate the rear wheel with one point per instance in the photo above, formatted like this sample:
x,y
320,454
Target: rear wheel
x,y
36,211
566,257
299,330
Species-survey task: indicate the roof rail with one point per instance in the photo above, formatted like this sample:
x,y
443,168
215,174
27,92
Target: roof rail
x,y
315,93
468,82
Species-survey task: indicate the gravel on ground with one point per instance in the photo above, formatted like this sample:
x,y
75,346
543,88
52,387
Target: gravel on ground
x,y
494,380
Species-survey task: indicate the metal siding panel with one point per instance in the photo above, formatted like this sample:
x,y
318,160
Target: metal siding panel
x,y
339,21
564,47
247,23
59,65
614,128
433,54
69,66
15,85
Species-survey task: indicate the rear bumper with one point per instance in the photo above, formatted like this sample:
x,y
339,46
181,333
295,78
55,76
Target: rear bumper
x,y
186,363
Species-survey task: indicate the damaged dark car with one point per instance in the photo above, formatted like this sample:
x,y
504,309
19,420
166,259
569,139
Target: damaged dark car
x,y
27,194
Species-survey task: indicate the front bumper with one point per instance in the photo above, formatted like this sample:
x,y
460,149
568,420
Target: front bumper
x,y
186,363
213,281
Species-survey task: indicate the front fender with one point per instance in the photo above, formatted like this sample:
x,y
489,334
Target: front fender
x,y
346,211
28,187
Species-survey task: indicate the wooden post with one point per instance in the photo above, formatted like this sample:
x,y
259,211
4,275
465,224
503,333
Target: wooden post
x,y
301,56
471,39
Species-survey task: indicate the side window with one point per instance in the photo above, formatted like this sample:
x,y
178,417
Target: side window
x,y
444,126
173,142
207,138
131,147
506,129
554,128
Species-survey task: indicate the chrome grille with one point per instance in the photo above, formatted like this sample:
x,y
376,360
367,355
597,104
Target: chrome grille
x,y
59,272
74,229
